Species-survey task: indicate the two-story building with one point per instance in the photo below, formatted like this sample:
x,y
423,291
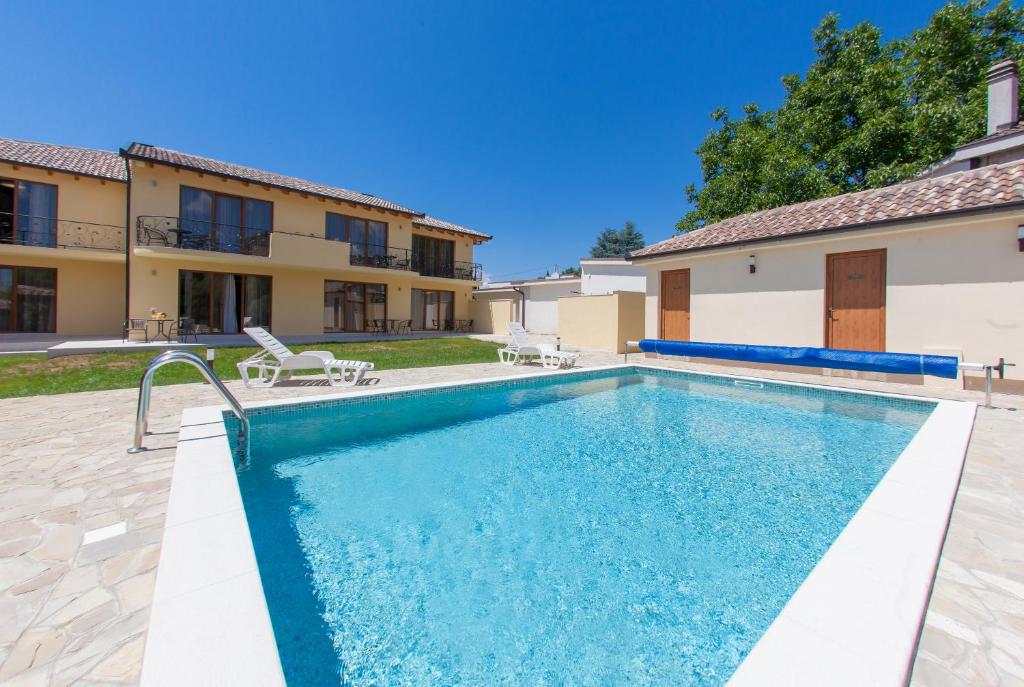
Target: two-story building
x,y
62,239
225,245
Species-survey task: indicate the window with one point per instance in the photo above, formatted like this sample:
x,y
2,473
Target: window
x,y
351,307
227,224
433,257
28,213
224,303
432,309
369,238
28,299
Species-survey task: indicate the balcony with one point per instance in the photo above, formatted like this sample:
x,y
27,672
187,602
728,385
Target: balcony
x,y
47,232
382,257
471,271
191,234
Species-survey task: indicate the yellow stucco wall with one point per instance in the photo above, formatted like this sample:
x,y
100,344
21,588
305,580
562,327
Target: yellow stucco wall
x,y
954,287
90,294
603,322
90,283
298,265
491,313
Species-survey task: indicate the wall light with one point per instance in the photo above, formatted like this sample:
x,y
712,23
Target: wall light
x,y
1020,238
752,262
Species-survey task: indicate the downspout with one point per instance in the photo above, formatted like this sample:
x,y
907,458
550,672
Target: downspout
x,y
127,237
522,313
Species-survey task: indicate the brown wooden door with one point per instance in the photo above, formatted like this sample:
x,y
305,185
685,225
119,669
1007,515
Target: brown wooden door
x,y
675,305
855,300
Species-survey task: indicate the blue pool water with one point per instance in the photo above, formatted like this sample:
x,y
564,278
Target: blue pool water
x,y
628,528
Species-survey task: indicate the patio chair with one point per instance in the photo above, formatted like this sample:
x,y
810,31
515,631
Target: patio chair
x,y
184,328
523,349
275,359
134,326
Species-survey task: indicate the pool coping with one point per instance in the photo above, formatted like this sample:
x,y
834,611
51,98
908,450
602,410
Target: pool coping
x,y
854,620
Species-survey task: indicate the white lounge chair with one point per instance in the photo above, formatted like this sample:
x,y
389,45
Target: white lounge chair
x,y
275,358
522,349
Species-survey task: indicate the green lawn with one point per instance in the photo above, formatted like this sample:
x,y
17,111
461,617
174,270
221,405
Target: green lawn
x,y
35,374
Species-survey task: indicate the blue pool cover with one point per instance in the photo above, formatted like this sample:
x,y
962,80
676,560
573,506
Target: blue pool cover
x,y
867,361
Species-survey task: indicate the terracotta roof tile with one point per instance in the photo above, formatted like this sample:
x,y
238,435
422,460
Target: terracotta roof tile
x,y
258,176
83,161
435,223
963,191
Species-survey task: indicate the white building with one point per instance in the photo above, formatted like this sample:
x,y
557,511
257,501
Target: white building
x,y
602,276
533,302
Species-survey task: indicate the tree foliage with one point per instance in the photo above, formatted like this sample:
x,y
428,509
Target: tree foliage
x,y
868,113
613,243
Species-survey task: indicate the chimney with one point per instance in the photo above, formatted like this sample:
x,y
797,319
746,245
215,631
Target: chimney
x,y
1003,109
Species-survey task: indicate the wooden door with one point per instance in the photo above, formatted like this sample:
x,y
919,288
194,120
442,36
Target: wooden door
x,y
675,305
855,300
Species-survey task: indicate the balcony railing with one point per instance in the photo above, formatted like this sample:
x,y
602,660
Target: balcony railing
x,y
472,271
194,234
48,232
384,257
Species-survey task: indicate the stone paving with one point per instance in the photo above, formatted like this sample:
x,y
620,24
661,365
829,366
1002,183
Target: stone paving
x,y
81,524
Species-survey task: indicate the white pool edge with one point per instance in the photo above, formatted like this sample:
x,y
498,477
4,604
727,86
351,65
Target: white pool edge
x,y
855,619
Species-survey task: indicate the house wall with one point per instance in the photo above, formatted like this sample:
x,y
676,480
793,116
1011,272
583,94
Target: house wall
x,y
90,282
603,278
603,322
298,265
952,287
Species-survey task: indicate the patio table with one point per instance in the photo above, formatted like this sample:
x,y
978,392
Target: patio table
x,y
160,328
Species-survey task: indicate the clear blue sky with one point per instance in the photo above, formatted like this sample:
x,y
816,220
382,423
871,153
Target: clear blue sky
x,y
538,122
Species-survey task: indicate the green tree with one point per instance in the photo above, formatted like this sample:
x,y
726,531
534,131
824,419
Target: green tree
x,y
612,243
572,272
868,113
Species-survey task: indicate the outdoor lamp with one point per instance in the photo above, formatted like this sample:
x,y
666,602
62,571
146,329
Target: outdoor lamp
x,y
752,262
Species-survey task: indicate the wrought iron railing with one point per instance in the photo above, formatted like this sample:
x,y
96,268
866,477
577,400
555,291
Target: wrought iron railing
x,y
194,234
384,257
427,267
50,232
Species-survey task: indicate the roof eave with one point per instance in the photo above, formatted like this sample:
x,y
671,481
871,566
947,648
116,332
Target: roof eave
x,y
877,224
62,170
481,237
280,187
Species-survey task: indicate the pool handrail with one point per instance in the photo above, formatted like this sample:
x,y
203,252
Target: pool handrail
x,y
146,388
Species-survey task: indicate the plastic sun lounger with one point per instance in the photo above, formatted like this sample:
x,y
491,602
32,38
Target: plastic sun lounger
x,y
276,358
521,349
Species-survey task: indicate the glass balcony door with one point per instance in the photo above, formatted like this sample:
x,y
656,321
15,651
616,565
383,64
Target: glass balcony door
x,y
227,224
28,213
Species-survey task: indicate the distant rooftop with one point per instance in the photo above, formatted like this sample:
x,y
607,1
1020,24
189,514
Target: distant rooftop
x,y
101,164
987,188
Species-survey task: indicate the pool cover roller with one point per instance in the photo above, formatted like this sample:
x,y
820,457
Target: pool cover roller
x,y
866,361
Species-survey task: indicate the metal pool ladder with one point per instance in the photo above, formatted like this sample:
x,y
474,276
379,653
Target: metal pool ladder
x,y
146,387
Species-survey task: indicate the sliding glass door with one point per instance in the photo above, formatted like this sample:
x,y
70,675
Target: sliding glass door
x,y
432,310
227,224
352,307
28,213
224,303
433,257
28,299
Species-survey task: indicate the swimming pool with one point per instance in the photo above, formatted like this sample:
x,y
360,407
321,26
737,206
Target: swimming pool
x,y
623,528
629,524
